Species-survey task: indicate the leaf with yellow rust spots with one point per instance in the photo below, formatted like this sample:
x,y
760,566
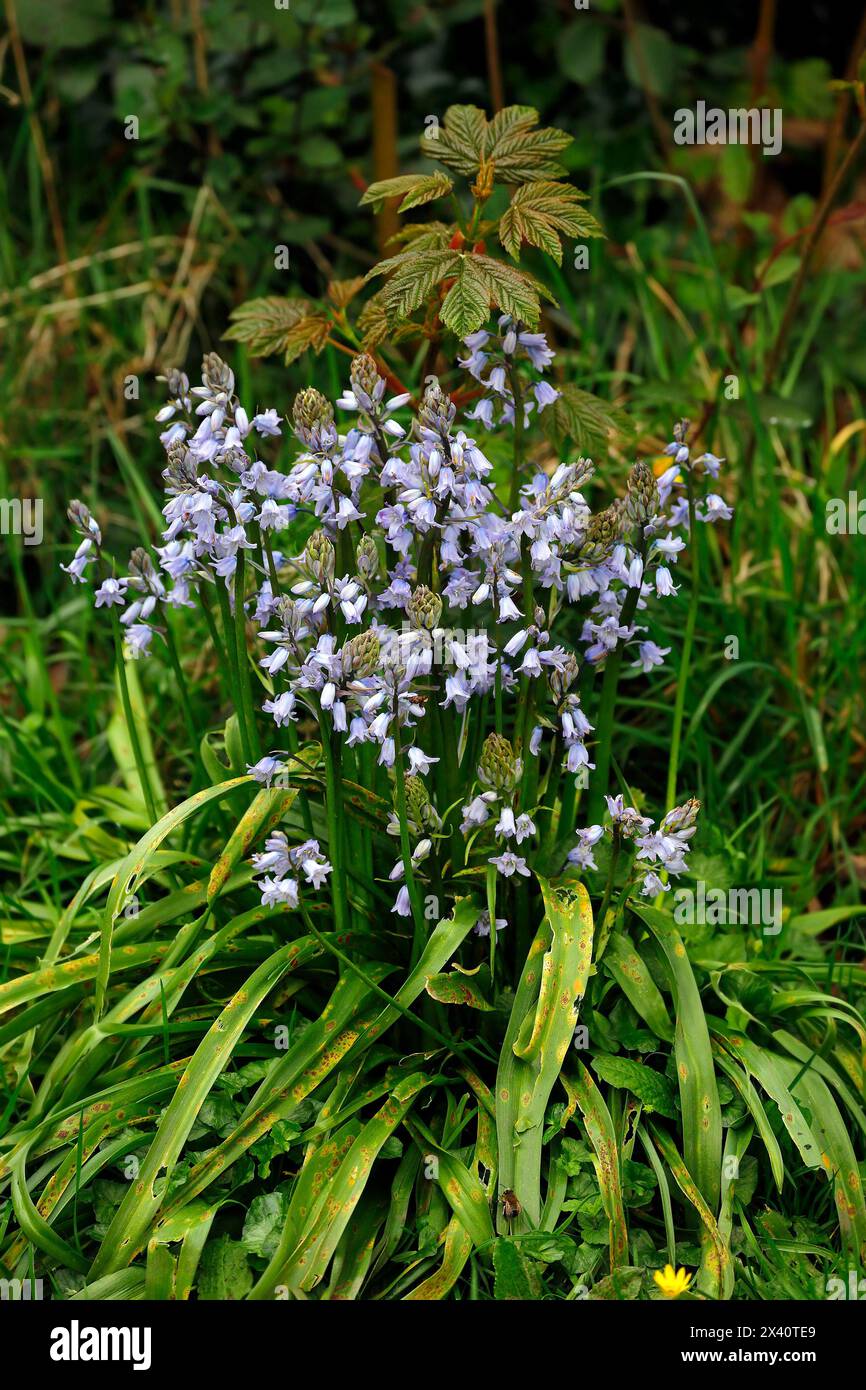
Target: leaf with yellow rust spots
x,y
454,988
542,1025
606,1159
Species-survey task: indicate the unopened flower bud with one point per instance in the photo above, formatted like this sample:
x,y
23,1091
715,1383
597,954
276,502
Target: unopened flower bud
x,y
367,385
319,556
499,766
437,410
603,532
311,409
367,557
642,502
217,375
363,654
424,608
681,818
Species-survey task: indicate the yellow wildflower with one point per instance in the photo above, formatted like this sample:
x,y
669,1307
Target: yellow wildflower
x,y
672,1282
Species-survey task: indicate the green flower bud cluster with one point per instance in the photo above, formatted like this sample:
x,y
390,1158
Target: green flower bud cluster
x,y
319,557
421,814
367,557
642,502
500,767
424,608
361,654
311,410
603,532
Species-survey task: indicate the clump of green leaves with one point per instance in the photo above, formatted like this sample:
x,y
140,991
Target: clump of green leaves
x,y
445,276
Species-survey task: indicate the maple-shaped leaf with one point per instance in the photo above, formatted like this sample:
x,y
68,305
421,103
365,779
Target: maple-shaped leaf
x,y
467,304
515,292
414,279
372,323
414,189
275,325
517,150
264,323
481,281
459,141
539,212
342,292
585,419
423,236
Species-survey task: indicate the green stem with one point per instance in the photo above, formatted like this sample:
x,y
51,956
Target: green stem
x,y
333,809
418,934
607,705
130,721
688,642
232,664
183,691
450,1043
245,688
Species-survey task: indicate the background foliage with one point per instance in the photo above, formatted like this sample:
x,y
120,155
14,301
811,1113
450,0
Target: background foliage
x,y
261,128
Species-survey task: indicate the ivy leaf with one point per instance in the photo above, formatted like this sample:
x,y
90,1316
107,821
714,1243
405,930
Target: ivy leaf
x,y
224,1273
277,325
515,1278
415,188
264,1222
539,211
654,1089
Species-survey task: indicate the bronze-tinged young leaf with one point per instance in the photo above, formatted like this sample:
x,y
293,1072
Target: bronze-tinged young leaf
x,y
277,325
263,323
415,279
372,322
539,212
414,189
424,236
342,292
517,151
459,142
311,332
521,153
